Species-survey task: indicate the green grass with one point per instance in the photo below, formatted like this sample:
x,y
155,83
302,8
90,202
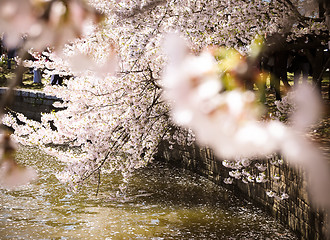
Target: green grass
x,y
6,75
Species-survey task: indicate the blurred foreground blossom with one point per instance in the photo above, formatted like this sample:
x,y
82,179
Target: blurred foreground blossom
x,y
97,54
45,23
12,174
207,93
301,107
224,120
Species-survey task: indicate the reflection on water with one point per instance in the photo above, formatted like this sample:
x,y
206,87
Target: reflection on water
x,y
161,203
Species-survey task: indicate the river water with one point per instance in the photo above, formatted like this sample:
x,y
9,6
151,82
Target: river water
x,y
160,203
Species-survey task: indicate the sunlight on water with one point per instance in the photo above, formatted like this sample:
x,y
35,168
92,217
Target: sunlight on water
x,y
160,203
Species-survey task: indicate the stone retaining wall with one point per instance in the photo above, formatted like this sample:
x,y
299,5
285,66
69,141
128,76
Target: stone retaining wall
x,y
296,212
32,103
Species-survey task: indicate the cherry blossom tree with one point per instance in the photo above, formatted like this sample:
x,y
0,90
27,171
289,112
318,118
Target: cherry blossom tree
x,y
117,104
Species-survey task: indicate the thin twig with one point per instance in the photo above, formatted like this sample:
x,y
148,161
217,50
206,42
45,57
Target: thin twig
x,y
98,182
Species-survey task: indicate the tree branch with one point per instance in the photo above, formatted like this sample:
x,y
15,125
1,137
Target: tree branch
x,y
302,18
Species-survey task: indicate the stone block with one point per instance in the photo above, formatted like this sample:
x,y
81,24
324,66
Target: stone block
x,y
33,95
17,93
25,94
202,153
48,102
51,97
29,100
3,90
40,95
209,153
39,101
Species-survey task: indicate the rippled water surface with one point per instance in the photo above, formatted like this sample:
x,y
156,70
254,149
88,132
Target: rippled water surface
x,y
161,203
